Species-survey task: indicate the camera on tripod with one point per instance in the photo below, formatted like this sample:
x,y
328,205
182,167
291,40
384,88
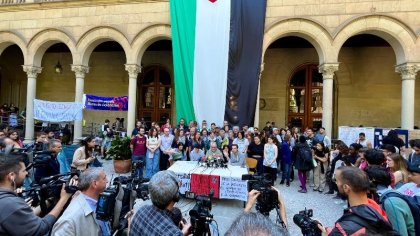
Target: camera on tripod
x,y
308,226
200,215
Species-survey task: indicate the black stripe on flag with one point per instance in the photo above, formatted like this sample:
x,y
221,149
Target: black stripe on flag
x,y
245,50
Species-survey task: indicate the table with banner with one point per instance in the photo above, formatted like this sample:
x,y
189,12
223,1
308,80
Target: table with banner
x,y
226,183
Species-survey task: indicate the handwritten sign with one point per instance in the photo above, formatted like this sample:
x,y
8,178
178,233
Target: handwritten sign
x,y
233,188
185,182
57,111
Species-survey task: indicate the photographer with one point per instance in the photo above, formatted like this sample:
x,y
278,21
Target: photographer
x,y
252,223
79,217
50,165
252,199
17,217
156,219
364,216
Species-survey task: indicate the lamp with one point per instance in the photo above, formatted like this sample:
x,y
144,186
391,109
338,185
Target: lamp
x,y
58,68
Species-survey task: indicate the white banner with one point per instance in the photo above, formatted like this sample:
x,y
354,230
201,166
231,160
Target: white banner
x,y
57,111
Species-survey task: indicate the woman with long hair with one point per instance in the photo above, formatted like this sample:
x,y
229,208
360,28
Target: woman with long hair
x,y
256,151
398,167
321,157
270,157
14,136
152,153
83,156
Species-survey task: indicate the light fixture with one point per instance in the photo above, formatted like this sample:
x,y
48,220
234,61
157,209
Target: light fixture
x,y
58,68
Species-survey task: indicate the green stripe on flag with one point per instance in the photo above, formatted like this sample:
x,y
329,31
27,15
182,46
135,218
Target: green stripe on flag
x,y
183,41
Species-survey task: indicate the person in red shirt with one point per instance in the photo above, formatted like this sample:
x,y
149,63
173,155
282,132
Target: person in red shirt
x,y
138,149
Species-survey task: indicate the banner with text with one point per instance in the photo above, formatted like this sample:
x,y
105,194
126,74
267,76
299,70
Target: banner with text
x,y
57,111
118,103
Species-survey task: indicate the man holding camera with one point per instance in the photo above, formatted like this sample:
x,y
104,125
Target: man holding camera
x,y
364,216
79,217
156,219
252,199
16,216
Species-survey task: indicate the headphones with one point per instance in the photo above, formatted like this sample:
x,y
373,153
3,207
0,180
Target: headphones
x,y
177,196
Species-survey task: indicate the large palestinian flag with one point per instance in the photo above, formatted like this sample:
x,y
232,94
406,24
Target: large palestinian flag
x,y
217,49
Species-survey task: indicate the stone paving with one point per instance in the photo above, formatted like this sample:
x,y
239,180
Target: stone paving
x,y
225,211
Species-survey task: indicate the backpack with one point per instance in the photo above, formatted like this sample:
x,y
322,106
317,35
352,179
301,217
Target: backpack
x,y
412,202
371,228
305,154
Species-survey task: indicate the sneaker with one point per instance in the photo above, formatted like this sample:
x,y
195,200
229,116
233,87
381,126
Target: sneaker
x,y
287,184
315,189
303,191
282,181
320,191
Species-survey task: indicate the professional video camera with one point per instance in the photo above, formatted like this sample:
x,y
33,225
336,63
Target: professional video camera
x,y
50,187
118,199
268,198
200,214
308,226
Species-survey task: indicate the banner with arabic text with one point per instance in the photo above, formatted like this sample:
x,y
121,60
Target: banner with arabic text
x,y
117,103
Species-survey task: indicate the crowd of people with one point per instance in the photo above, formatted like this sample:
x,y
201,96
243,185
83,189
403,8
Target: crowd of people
x,y
380,185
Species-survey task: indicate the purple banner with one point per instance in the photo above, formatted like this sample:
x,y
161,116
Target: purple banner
x,y
119,103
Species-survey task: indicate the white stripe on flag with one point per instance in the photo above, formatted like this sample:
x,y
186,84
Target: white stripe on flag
x,y
211,60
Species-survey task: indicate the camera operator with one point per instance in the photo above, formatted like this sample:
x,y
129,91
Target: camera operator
x,y
16,216
156,219
79,217
364,216
51,165
252,199
252,223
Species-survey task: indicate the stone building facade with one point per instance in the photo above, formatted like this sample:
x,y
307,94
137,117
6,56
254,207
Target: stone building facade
x,y
351,62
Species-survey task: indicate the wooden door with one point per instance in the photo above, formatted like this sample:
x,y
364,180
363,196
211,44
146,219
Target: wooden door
x,y
156,95
305,97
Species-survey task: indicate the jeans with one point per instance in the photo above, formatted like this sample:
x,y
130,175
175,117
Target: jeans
x,y
139,171
286,172
152,163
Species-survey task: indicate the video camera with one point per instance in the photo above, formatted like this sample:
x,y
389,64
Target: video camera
x,y
200,215
118,199
50,187
308,226
268,199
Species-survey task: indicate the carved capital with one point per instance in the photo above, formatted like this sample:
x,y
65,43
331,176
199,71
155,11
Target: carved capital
x,y
32,71
327,70
80,70
133,70
408,70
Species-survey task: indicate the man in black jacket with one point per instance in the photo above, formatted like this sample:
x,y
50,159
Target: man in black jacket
x,y
16,216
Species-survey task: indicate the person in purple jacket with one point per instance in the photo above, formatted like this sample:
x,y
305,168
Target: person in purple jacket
x,y
286,160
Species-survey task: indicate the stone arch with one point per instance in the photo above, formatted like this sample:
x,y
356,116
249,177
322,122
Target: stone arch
x,y
310,30
147,37
43,40
398,35
93,37
8,38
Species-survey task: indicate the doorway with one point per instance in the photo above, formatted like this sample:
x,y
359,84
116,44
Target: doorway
x,y
305,97
156,95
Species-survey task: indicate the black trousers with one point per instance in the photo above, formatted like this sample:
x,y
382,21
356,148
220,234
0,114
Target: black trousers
x,y
164,161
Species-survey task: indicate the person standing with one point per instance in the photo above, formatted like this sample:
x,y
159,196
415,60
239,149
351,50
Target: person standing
x,y
152,153
286,160
256,151
321,159
138,148
166,148
303,163
84,154
270,157
79,217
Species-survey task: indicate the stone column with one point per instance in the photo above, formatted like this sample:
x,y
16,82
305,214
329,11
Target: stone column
x,y
32,72
408,73
257,105
327,71
80,72
133,71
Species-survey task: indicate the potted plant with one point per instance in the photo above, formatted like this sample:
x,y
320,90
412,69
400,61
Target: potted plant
x,y
121,154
